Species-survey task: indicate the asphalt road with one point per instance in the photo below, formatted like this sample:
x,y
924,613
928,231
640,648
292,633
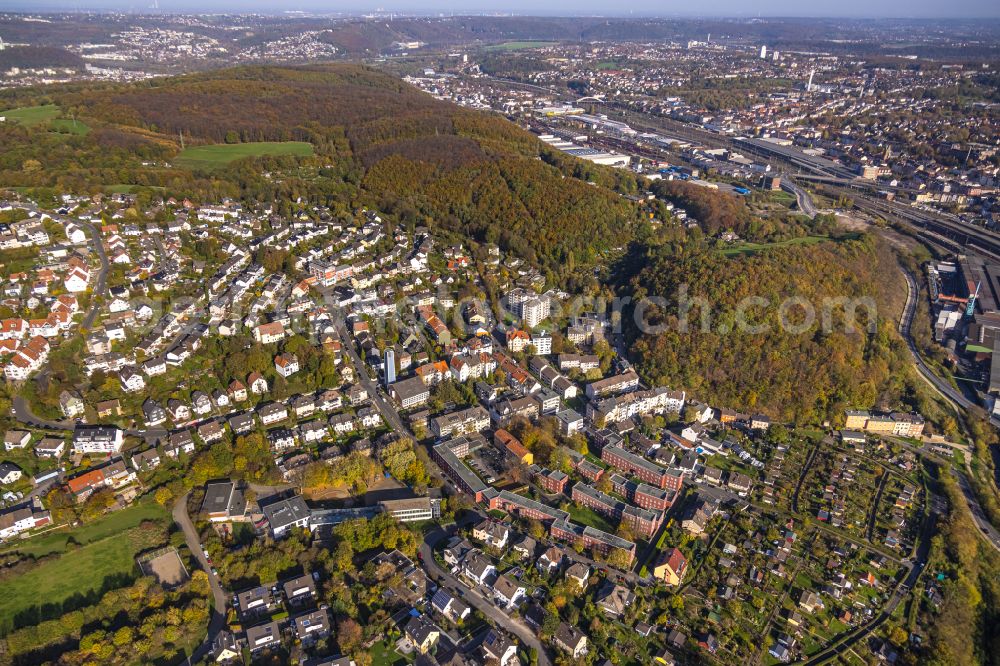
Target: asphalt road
x,y
802,197
388,412
515,625
101,283
21,410
989,532
218,619
905,323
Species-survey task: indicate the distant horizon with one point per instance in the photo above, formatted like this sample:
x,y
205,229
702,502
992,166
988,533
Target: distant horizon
x,y
923,10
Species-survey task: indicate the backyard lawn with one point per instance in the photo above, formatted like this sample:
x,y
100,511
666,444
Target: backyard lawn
x,y
219,155
385,655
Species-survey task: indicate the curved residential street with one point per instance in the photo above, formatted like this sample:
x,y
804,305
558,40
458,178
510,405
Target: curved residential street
x,y
515,625
218,618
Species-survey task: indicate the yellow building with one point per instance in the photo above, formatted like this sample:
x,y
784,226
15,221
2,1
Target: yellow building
x,y
856,420
671,567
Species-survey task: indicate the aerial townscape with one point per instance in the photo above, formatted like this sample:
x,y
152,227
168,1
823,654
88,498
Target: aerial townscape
x,y
427,337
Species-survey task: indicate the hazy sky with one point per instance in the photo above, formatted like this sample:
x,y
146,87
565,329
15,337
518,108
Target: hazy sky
x,y
857,8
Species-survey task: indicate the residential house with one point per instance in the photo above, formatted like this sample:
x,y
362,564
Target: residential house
x,y
477,567
237,391
571,640
525,548
257,383
671,567
241,424
614,600
550,561
579,573
299,590
223,502
146,460
507,591
108,408
286,364
287,514
263,636
70,404
153,413
499,648
423,633
255,601
9,472
272,413
16,439
178,411
450,606
131,380
312,626
50,447
494,534
212,431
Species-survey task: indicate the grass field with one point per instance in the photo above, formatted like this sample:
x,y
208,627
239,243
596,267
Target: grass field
x,y
219,155
105,552
67,126
32,115
754,248
587,516
110,525
519,46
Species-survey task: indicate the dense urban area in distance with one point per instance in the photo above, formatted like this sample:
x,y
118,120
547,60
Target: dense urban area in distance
x,y
384,340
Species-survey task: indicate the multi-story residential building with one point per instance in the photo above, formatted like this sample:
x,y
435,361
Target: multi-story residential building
x,y
643,495
671,567
638,403
641,521
105,440
626,381
552,481
472,419
449,456
411,509
645,470
410,393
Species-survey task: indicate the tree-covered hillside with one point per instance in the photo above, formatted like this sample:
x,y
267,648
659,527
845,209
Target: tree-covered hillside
x,y
377,141
805,376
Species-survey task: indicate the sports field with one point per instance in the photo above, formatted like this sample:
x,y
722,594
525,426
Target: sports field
x,y
219,155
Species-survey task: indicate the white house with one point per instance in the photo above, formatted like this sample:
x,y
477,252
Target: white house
x,y
9,472
77,280
286,365
131,380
